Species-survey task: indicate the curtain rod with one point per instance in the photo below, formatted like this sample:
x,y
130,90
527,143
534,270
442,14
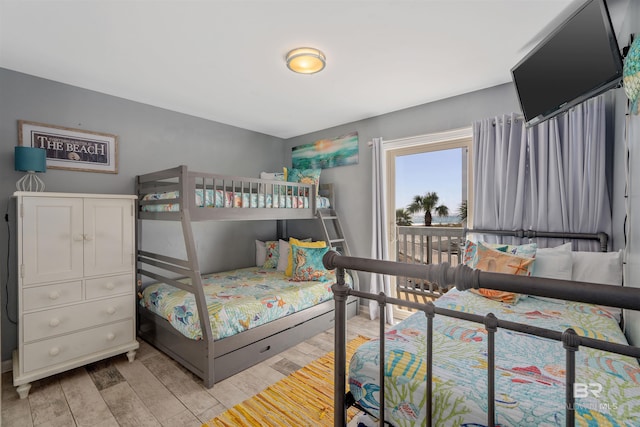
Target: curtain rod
x,y
443,135
499,119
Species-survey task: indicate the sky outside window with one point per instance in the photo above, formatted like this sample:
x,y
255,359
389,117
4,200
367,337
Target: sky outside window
x,y
439,171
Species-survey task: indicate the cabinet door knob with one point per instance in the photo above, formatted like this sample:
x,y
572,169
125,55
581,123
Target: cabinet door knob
x,y
53,295
111,336
78,237
54,351
54,322
111,310
110,286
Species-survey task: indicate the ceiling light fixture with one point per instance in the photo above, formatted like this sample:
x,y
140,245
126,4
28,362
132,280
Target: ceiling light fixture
x,y
306,60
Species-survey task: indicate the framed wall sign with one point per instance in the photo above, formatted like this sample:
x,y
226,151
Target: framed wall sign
x,y
72,149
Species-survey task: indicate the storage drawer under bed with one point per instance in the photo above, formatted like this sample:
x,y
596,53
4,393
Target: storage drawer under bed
x,y
237,360
236,353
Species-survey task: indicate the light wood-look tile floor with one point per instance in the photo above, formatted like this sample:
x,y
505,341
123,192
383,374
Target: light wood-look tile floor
x,y
153,390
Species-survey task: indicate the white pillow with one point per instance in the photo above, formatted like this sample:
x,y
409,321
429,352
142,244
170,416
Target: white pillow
x,y
283,260
274,176
261,253
562,248
599,267
554,263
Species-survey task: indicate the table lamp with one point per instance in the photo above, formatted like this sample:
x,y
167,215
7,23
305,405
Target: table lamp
x,y
30,160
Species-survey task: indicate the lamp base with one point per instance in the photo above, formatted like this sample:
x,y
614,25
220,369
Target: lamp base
x,y
30,182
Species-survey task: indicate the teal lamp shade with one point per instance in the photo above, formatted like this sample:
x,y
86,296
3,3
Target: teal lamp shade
x,y
30,160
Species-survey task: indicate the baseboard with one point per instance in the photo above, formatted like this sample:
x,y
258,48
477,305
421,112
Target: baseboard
x,y
7,366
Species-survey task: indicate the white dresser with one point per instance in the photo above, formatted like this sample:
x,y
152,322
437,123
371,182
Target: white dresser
x,y
76,282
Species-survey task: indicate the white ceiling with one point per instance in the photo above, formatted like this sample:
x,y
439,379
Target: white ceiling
x,y
224,60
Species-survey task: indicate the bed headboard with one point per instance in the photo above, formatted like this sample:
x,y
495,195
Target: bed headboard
x,y
601,237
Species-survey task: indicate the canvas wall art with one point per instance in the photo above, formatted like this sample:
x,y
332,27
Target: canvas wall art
x,y
327,153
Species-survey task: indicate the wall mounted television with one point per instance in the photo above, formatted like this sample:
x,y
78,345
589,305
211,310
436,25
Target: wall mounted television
x,y
578,60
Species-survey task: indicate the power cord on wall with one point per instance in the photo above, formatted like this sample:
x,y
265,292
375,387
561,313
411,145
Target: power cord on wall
x,y
627,202
627,155
6,282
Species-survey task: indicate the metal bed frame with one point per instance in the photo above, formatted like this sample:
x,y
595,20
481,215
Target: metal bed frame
x,y
464,278
212,360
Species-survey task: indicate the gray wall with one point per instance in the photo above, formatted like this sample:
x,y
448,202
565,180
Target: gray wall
x,y
150,139
353,189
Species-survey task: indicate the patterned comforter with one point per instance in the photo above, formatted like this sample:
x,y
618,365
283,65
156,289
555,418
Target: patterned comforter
x,y
228,199
237,300
530,371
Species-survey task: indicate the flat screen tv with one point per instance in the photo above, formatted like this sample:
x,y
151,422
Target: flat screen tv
x,y
578,60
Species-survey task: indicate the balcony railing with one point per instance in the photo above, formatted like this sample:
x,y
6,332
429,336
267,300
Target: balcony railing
x,y
426,245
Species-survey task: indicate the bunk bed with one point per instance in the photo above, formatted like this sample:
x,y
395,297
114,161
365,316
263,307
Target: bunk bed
x,y
167,284
556,356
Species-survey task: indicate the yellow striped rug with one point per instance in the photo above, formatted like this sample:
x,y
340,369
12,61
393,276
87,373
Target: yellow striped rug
x,y
304,398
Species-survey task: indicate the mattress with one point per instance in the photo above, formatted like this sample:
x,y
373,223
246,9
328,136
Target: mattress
x,y
530,371
228,199
237,300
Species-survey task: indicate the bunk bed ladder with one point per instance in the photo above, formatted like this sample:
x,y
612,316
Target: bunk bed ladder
x,y
334,235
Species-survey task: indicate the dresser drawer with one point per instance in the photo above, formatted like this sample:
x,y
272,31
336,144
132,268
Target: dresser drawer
x,y
51,295
108,286
57,350
47,323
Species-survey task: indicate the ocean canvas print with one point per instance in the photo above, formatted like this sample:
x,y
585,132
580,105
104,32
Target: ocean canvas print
x,y
327,153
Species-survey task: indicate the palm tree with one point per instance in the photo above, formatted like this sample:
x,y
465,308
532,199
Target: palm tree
x,y
426,204
462,211
403,217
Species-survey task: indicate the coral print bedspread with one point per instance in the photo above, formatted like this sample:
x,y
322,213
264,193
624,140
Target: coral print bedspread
x,y
530,371
228,199
237,300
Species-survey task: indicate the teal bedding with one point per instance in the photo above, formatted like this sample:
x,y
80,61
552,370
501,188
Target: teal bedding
x,y
237,300
530,371
228,199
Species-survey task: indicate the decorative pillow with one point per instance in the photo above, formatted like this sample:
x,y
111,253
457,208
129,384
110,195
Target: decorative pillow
x,y
304,176
261,253
292,241
274,176
307,263
283,259
491,260
528,250
273,254
470,252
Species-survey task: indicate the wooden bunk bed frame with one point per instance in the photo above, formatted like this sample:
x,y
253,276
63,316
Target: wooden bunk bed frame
x,y
464,277
212,360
